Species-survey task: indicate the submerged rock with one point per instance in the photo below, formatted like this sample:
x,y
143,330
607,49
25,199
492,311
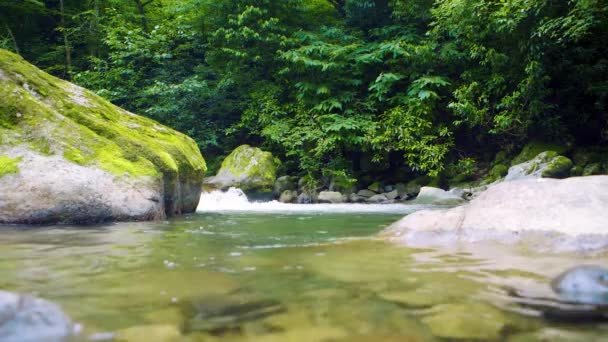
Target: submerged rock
x,y
510,211
69,156
436,196
219,315
467,321
586,284
247,168
28,319
149,333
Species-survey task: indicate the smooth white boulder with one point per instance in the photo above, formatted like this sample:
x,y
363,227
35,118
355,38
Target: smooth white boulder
x,y
571,213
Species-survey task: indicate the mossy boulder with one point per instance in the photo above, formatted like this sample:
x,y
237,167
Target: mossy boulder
x,y
247,168
534,148
547,164
69,156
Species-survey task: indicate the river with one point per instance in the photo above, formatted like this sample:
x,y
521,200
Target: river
x,y
242,271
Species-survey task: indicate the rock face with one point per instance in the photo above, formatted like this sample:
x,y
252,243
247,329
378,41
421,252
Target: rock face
x,y
29,319
247,168
509,211
547,165
435,196
68,156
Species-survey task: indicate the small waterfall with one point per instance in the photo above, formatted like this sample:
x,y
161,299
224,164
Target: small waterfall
x,y
235,200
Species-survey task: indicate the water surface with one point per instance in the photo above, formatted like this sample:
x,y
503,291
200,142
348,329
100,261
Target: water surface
x,y
289,274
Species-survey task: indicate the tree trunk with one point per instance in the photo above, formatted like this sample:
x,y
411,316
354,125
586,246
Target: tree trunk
x,y
141,9
66,43
10,33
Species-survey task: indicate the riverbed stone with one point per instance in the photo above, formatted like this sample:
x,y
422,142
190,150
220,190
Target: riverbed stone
x,y
583,284
354,198
331,197
289,196
380,198
376,187
247,168
392,195
593,169
546,164
69,156
306,198
28,319
366,193
149,333
510,211
282,184
467,321
436,196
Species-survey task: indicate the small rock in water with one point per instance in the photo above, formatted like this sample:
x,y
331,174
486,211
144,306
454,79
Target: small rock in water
x,y
28,319
219,315
586,284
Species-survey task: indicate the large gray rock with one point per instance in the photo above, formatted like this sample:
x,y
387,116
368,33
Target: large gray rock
x,y
247,168
69,156
331,197
436,196
510,211
28,319
546,165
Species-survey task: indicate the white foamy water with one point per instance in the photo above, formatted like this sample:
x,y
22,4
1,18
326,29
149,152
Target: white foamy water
x,y
234,200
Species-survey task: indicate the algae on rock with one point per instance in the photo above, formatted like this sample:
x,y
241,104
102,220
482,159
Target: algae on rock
x,y
248,168
48,122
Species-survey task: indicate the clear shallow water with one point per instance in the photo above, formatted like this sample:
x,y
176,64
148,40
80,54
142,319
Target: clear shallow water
x,y
286,275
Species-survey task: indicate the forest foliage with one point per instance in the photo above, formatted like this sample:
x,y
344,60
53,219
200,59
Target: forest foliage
x,y
337,87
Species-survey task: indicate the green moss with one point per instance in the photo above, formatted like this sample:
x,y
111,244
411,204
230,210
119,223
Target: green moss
x,y
558,167
9,165
534,148
54,116
256,169
497,172
593,169
576,171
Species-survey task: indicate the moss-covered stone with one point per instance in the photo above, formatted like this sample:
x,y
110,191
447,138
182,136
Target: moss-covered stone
x,y
497,172
576,171
534,148
547,164
467,322
558,167
9,165
593,169
248,168
43,115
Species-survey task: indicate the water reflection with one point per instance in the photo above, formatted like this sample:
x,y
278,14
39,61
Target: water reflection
x,y
303,277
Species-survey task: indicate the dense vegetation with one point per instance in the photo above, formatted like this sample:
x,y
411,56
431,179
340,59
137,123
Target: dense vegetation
x,y
355,88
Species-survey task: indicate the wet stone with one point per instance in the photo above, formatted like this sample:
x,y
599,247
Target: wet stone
x,y
218,316
28,319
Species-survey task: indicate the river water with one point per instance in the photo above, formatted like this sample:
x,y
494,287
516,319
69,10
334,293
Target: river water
x,y
241,271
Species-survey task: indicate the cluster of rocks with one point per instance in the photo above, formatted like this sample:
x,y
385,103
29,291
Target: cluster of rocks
x,y
289,189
